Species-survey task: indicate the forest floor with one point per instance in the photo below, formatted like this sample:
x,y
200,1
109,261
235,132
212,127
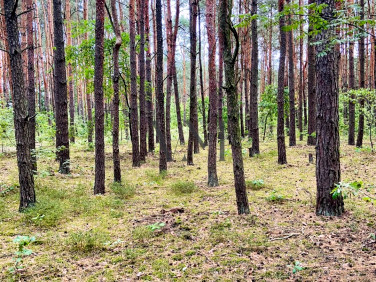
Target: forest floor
x,y
161,228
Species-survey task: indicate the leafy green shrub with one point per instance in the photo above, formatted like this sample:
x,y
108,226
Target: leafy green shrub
x,y
255,184
22,242
183,187
275,197
123,191
87,241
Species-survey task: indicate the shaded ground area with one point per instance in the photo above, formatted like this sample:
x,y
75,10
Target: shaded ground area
x,y
157,228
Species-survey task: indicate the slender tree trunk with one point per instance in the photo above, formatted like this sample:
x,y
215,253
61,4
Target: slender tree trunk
x,y
254,128
193,120
70,75
201,79
31,82
292,132
212,157
362,82
280,99
159,90
301,78
116,100
141,66
221,134
20,110
90,124
177,105
351,137
133,67
225,27
60,87
328,172
149,98
99,185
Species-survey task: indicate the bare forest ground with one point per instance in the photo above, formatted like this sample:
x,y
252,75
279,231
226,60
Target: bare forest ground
x,y
161,228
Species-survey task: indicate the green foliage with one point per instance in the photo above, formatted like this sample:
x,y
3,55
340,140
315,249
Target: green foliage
x,y
6,189
345,190
183,187
47,212
87,241
123,191
274,196
156,226
155,177
297,267
255,184
22,242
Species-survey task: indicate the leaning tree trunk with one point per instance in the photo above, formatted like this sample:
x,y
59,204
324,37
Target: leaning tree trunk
x,y
116,100
311,140
281,100
159,90
133,110
60,88
212,156
328,172
254,128
292,131
225,27
21,115
31,82
362,82
193,119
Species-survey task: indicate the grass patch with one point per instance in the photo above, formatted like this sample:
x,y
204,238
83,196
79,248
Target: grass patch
x,y
183,187
154,176
123,191
257,184
87,241
47,212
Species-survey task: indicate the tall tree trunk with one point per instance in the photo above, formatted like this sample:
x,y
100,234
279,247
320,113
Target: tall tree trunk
x,y
281,83
60,87
149,98
133,66
175,77
116,100
212,156
70,76
351,136
311,87
221,134
301,78
99,185
201,79
328,172
90,124
141,65
225,27
21,115
193,120
362,82
292,132
159,90
31,82
254,129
